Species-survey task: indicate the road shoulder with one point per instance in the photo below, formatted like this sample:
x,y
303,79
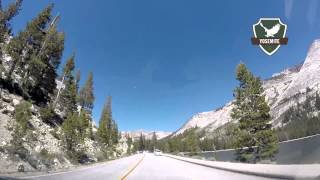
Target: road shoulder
x,y
309,171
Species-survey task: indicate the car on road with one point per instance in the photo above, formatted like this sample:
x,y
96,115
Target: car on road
x,y
157,152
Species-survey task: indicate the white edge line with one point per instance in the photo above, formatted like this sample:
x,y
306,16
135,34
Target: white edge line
x,y
64,172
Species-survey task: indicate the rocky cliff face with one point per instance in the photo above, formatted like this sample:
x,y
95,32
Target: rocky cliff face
x,y
39,139
42,137
282,90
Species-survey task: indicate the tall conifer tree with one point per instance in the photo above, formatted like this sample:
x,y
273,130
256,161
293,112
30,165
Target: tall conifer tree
x,y
78,77
39,47
108,130
154,141
252,112
86,96
142,143
5,17
69,93
317,102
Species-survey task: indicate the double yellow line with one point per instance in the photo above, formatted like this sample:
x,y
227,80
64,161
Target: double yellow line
x,y
131,169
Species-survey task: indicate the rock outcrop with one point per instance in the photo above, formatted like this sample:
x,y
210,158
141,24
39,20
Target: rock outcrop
x,y
41,140
282,91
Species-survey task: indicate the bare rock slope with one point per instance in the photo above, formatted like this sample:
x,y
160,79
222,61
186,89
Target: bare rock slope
x,y
41,138
282,91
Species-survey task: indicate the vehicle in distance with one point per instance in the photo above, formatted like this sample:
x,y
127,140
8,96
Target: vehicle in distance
x,y
157,152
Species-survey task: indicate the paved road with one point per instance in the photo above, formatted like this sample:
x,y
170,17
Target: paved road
x,y
147,167
109,170
160,167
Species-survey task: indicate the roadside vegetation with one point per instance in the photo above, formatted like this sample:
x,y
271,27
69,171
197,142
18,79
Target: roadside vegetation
x,y
255,138
302,119
185,142
253,128
29,68
252,136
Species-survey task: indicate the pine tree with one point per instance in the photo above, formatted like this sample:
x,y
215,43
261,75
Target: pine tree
x,y
102,131
288,115
317,102
114,132
72,139
206,144
29,41
193,142
68,96
154,141
105,124
307,104
129,143
39,47
50,56
166,147
69,127
252,112
141,142
78,77
84,124
86,96
22,115
107,133
5,17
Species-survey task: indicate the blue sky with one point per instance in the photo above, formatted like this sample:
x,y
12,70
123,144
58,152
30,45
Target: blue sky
x,y
163,61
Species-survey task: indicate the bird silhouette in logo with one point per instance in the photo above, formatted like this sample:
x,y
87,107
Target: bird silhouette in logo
x,y
272,31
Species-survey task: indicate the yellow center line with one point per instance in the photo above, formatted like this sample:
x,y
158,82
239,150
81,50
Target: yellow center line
x,y
131,169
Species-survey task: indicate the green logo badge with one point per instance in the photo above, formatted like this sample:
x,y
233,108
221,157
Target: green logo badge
x,y
269,34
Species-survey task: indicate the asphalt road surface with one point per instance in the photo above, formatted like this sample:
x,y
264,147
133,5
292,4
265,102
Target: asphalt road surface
x,y
147,166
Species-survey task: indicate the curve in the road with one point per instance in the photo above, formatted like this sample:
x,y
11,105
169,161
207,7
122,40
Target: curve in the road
x,y
107,170
131,169
162,167
258,174
145,167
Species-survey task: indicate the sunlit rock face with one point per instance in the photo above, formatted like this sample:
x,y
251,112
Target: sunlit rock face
x,y
282,91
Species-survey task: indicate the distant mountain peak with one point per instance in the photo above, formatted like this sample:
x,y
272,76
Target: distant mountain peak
x,y
282,90
148,134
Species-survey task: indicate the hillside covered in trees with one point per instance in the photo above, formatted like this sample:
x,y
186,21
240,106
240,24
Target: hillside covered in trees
x,y
45,116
